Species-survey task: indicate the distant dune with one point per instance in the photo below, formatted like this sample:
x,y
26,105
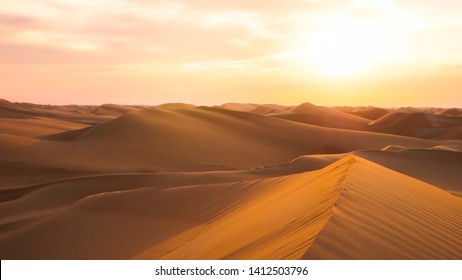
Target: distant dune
x,y
114,109
214,139
13,110
175,106
422,125
404,120
235,181
73,113
326,117
262,109
454,112
370,113
37,126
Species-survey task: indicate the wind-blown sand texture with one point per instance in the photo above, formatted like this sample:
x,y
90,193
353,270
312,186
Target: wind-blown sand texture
x,y
236,181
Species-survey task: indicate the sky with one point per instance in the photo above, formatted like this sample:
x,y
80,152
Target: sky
x,y
327,52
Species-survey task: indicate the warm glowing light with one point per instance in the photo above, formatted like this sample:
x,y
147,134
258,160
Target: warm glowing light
x,y
348,46
384,5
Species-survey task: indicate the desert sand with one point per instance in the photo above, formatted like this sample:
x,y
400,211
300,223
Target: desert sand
x,y
235,181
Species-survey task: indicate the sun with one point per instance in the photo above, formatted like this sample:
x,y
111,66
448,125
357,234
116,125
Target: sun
x,y
348,46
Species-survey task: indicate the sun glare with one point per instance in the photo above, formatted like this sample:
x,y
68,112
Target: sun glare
x,y
348,46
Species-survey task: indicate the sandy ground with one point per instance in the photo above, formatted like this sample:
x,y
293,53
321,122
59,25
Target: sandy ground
x,y
236,181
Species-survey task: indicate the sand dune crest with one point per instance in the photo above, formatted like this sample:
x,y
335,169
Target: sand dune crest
x,y
336,212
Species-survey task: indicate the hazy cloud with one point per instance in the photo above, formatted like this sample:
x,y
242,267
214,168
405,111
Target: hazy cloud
x,y
143,37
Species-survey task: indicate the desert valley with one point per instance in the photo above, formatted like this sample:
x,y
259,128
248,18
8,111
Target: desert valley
x,y
235,181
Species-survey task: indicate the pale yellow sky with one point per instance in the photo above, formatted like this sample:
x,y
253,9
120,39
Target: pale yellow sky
x,y
332,52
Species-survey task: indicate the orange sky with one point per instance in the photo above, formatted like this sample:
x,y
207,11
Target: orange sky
x,y
330,52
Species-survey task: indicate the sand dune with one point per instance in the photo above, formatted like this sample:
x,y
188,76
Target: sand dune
x,y
215,139
262,109
37,126
439,168
404,120
382,214
412,122
69,113
445,121
154,140
371,113
28,204
243,107
21,204
12,110
324,120
435,167
175,106
114,109
236,181
153,216
325,117
308,108
422,125
455,112
336,212
450,147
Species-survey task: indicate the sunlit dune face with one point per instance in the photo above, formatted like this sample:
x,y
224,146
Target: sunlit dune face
x,y
347,46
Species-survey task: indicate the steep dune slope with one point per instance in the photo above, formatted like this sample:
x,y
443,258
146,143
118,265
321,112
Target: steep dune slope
x,y
433,166
350,209
440,168
26,204
270,218
382,214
